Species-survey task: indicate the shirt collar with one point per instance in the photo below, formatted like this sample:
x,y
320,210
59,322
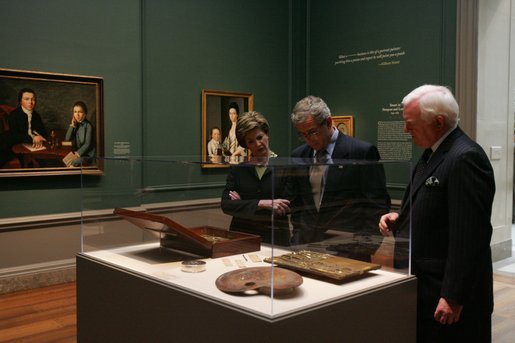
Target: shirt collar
x,y
438,142
330,147
29,113
332,142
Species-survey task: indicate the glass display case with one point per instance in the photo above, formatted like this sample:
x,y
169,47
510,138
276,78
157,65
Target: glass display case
x,y
248,241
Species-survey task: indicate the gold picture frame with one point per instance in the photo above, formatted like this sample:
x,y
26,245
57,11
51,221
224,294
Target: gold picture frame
x,y
345,124
56,94
215,108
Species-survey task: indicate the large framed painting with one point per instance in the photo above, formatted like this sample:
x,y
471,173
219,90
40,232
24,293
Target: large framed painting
x,y
50,124
220,110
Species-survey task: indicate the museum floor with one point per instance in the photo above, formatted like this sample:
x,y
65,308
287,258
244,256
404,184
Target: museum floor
x,y
49,314
503,320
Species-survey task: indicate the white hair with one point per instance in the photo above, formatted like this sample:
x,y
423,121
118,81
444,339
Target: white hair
x,y
435,100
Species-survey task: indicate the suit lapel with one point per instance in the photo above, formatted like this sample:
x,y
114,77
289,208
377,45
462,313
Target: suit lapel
x,y
265,174
252,172
341,150
436,159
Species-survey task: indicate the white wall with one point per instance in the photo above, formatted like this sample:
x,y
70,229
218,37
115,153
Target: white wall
x,y
495,96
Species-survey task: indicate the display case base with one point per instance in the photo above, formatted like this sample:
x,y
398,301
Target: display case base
x,y
115,304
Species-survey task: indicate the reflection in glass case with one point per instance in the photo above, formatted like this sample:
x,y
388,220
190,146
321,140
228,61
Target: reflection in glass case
x,y
173,222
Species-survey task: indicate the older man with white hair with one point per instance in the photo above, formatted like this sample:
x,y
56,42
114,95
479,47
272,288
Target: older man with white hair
x,y
449,200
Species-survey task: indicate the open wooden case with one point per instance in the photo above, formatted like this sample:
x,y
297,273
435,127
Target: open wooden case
x,y
205,241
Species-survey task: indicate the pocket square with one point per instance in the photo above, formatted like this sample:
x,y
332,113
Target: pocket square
x,y
432,181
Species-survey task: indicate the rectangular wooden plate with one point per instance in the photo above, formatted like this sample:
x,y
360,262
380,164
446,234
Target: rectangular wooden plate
x,y
311,262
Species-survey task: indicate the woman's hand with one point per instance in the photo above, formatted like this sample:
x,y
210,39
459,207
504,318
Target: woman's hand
x,y
279,207
234,195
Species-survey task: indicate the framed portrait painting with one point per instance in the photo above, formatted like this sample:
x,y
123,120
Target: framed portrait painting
x,y
50,124
345,124
220,110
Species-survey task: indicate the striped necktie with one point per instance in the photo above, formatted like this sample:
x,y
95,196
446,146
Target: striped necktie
x,y
316,177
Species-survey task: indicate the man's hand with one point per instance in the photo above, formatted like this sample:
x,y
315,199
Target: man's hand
x,y
386,222
37,141
447,313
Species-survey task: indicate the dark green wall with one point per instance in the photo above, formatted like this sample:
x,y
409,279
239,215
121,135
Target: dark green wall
x,y
422,33
389,48
229,45
94,37
156,56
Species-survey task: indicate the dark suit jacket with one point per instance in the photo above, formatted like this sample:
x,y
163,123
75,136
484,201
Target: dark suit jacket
x,y
19,125
354,197
246,216
451,205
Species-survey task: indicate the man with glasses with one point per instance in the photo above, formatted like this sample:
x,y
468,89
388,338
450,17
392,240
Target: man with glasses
x,y
333,193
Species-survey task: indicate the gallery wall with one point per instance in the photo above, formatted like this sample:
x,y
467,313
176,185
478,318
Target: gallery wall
x,y
96,38
156,57
218,45
364,59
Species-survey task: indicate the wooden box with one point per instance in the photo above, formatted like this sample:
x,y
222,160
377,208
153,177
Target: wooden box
x,y
205,241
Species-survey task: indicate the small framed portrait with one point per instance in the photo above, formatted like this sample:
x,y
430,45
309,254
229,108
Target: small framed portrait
x,y
50,124
345,124
220,111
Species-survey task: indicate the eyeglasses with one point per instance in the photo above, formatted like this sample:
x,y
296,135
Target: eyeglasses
x,y
311,133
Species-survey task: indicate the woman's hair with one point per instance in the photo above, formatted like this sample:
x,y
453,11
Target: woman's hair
x,y
235,106
81,104
249,121
310,106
